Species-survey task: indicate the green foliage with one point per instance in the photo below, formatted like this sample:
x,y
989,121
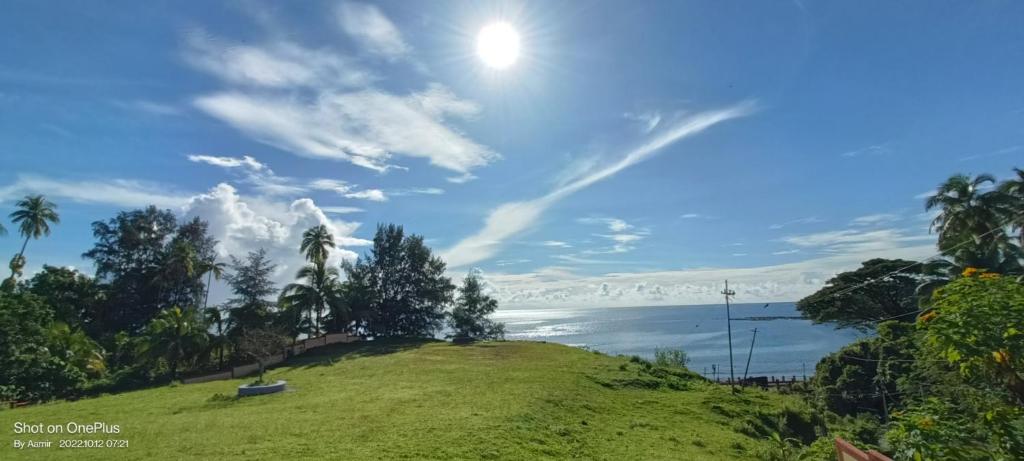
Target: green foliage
x,y
176,336
966,213
468,318
400,287
852,380
848,302
28,369
251,285
941,429
74,297
259,345
978,324
667,357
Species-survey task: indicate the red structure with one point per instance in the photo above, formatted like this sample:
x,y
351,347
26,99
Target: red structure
x,y
847,452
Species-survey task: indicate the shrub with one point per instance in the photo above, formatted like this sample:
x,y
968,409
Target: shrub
x,y
670,358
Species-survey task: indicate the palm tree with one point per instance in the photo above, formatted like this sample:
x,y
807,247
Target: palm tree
x,y
175,335
33,218
1014,190
971,222
320,290
316,244
215,316
180,265
77,349
213,270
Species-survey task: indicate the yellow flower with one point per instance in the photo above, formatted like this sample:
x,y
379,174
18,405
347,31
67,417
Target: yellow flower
x,y
926,423
989,275
970,271
1001,357
928,316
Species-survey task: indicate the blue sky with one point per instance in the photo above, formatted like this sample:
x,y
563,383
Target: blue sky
x,y
634,154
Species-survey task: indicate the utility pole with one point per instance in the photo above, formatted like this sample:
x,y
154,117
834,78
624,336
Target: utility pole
x,y
728,318
750,354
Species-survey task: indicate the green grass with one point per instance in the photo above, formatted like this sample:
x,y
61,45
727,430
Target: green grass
x,y
430,400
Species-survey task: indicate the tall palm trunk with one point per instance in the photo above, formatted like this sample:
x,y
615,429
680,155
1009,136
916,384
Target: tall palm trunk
x,y
21,254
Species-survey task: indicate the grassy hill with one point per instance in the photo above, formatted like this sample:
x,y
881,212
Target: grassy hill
x,y
432,400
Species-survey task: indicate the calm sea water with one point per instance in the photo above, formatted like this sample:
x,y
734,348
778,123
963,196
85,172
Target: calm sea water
x,y
783,347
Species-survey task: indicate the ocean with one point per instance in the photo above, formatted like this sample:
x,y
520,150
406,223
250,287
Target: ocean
x,y
783,346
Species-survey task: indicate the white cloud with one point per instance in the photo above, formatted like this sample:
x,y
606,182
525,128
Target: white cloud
x,y
874,219
243,224
341,209
229,162
555,243
785,252
808,220
365,127
149,107
118,192
417,191
373,195
690,216
648,120
558,287
739,254
375,31
279,64
1003,151
515,217
877,149
851,240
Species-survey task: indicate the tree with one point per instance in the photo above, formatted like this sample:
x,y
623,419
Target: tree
x,y
469,316
175,335
1014,190
316,244
129,254
404,286
318,289
218,341
29,371
77,349
260,345
33,218
74,297
850,301
971,223
978,324
251,285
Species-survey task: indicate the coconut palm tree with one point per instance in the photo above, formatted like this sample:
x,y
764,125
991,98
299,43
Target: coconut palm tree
x,y
316,244
175,335
1014,190
33,218
215,316
971,223
319,290
213,270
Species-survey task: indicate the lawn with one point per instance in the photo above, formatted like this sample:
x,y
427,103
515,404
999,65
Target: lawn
x,y
430,400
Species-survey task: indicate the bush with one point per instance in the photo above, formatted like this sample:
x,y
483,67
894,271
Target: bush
x,y
670,358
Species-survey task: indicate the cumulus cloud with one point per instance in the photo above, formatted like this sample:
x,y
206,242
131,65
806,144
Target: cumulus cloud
x,y
243,224
245,161
513,218
368,25
560,287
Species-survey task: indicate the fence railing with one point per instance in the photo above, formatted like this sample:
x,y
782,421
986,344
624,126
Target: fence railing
x,y
296,349
845,451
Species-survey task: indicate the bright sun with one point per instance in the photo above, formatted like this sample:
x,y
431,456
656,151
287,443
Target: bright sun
x,y
497,45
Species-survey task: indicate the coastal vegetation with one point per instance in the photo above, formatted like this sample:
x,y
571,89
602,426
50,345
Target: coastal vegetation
x,y
943,376
940,377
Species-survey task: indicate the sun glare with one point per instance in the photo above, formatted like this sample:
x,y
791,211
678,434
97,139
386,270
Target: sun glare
x,y
497,45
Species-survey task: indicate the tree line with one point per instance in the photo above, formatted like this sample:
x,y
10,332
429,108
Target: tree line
x,y
942,377
144,317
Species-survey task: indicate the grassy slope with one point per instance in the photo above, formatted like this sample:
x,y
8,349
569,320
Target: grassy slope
x,y
503,400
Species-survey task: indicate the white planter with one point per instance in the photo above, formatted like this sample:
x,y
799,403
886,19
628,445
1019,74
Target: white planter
x,y
246,390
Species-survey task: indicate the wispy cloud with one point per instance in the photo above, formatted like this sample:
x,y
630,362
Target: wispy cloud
x,y
648,120
370,27
555,243
785,252
877,149
341,209
515,217
1003,151
229,162
118,192
875,219
856,240
149,107
807,220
